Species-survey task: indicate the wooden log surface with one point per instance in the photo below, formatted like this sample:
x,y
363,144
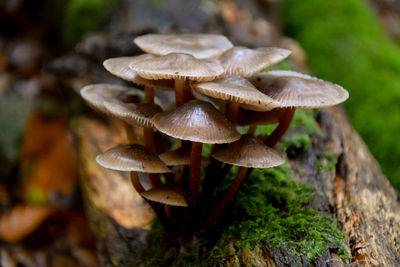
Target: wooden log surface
x,y
355,193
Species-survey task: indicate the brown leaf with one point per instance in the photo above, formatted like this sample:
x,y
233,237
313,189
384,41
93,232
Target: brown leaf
x,y
21,221
48,143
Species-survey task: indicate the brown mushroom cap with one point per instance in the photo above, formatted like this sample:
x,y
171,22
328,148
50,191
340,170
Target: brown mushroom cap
x,y
293,89
249,152
196,121
238,90
169,196
97,94
179,156
177,66
198,45
139,114
176,157
120,67
244,62
131,158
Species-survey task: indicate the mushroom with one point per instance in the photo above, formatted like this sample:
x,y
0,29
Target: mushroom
x,y
180,67
135,158
238,91
198,122
244,62
98,94
295,90
169,196
215,70
120,68
198,45
248,152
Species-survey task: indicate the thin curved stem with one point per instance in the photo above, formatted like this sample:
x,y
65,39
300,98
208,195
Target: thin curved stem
x,y
232,112
180,94
129,132
284,123
241,175
252,129
194,177
149,94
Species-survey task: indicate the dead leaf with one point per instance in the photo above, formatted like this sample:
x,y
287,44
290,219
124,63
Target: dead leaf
x,y
21,221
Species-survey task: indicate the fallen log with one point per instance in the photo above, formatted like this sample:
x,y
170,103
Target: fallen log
x,y
352,190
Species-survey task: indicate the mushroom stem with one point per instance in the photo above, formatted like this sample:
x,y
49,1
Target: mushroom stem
x,y
194,178
129,132
180,94
149,139
233,111
179,175
222,106
149,94
252,129
136,183
284,123
168,213
229,194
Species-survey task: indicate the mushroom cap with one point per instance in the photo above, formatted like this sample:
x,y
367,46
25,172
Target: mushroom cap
x,y
97,94
198,45
120,67
249,152
177,66
293,89
179,156
139,114
244,62
196,121
169,196
131,157
246,117
238,90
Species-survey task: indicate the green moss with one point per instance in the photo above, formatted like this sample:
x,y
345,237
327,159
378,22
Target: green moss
x,y
271,209
83,16
295,144
326,161
346,44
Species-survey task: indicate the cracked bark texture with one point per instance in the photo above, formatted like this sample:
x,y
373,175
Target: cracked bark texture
x,y
355,192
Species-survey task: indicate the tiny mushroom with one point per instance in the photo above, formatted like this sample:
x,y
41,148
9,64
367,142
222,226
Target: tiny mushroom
x,y
295,90
199,122
169,196
238,91
248,152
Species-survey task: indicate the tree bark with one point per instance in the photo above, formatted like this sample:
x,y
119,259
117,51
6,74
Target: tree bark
x,y
355,192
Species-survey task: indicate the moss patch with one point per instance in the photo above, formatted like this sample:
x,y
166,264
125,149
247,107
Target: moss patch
x,y
326,161
346,44
271,209
293,145
83,16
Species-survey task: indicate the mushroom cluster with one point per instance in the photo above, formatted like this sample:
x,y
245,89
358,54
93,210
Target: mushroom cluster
x,y
217,86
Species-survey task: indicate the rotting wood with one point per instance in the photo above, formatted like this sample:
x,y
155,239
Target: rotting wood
x,y
356,193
